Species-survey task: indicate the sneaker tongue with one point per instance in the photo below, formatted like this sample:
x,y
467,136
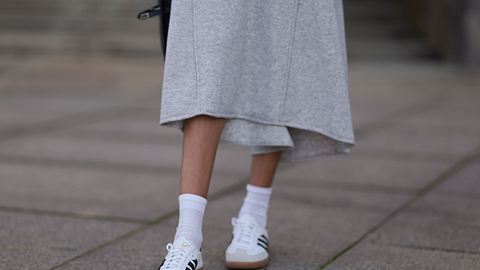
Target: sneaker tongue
x,y
182,243
247,217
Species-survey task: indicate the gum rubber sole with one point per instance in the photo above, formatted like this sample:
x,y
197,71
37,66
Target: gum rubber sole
x,y
247,265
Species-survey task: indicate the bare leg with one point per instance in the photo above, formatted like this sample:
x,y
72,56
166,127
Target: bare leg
x,y
200,143
263,168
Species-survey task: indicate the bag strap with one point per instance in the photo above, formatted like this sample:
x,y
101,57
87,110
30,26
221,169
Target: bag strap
x,y
162,7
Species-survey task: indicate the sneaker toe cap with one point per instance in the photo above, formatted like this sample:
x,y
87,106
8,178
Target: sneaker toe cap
x,y
241,255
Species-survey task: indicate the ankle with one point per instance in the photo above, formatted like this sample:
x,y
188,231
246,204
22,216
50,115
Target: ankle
x,y
256,203
190,222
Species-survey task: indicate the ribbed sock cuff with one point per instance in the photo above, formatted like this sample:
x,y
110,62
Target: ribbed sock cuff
x,y
257,189
196,202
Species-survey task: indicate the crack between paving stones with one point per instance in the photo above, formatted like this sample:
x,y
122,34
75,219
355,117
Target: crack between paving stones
x,y
441,178
93,165
405,155
429,103
438,249
67,121
76,215
215,196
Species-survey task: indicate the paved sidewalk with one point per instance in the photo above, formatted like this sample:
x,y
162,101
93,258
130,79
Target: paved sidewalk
x,y
88,180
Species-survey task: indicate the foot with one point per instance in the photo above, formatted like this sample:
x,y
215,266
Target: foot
x,y
182,255
248,248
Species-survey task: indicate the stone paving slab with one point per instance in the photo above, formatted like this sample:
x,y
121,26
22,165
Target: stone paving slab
x,y
394,87
39,242
142,251
89,192
369,257
386,104
312,194
402,140
458,108
146,130
436,222
466,182
86,76
403,154
391,81
25,112
435,231
141,41
410,174
441,130
439,137
127,153
451,115
427,122
441,225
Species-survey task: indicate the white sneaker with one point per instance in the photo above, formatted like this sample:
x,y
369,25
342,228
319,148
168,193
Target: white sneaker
x,y
182,255
248,248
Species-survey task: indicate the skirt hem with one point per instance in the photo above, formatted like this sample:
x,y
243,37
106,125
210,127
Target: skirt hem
x,y
330,134
341,145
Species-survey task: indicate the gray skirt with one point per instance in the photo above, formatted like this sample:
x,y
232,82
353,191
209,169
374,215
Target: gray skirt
x,y
276,69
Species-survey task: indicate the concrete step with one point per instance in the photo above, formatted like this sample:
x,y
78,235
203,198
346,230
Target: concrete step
x,y
380,30
61,43
375,28
383,49
69,24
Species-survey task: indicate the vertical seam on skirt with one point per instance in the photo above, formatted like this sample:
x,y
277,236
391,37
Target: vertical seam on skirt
x,y
197,76
289,60
340,24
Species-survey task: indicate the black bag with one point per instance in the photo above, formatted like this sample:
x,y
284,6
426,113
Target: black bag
x,y
163,11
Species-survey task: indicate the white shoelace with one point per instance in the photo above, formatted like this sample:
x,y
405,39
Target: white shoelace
x,y
243,232
175,258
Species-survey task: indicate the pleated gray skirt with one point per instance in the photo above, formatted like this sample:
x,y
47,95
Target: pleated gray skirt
x,y
277,69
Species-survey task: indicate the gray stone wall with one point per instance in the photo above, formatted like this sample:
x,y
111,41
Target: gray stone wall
x,y
472,33
451,27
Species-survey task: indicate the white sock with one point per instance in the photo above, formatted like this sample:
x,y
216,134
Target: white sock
x,y
256,203
191,209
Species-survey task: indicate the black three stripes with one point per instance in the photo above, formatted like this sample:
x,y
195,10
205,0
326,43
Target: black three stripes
x,y
161,264
263,242
192,265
